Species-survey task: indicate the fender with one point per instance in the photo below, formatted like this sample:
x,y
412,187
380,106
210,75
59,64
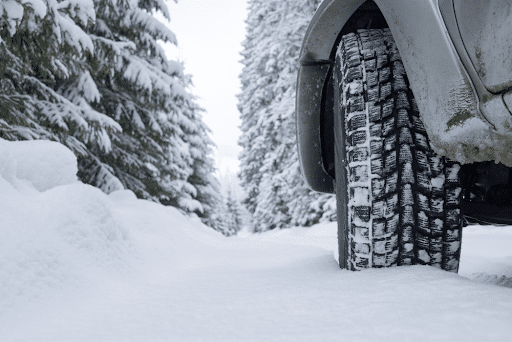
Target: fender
x,y
463,120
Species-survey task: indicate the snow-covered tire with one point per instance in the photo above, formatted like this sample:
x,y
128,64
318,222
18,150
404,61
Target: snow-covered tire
x,y
398,202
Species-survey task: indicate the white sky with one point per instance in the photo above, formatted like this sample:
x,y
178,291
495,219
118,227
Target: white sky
x,y
209,36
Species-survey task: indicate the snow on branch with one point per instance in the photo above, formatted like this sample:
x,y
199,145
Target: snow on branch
x,y
83,10
152,78
152,25
57,109
116,46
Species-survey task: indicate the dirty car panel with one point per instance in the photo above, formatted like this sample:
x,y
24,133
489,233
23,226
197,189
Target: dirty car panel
x,y
463,123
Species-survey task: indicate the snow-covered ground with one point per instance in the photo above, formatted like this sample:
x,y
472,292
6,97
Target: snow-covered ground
x,y
76,264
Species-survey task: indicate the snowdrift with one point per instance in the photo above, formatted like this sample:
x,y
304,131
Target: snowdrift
x,y
77,264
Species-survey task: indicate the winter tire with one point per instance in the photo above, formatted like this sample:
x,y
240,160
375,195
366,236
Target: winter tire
x,y
398,202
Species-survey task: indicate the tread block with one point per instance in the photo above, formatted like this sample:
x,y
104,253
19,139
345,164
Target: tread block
x,y
436,245
391,183
405,154
436,226
421,141
436,165
373,96
382,59
357,138
405,136
403,118
423,181
375,131
408,215
362,248
402,100
394,55
360,232
379,228
398,68
392,205
358,155
423,243
361,193
423,203
378,209
386,260
418,125
387,107
353,73
390,163
353,59
385,91
452,173
399,83
389,143
384,74
437,205
374,112
362,212
407,238
359,173
361,262
388,126
372,76
376,146
453,196
407,197
376,166
423,222
369,54
386,245
407,174
357,121
422,161
377,187
355,104
392,224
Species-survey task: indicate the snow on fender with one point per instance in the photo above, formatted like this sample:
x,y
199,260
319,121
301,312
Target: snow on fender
x,y
44,164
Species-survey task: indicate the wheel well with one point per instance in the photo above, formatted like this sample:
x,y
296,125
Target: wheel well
x,y
367,16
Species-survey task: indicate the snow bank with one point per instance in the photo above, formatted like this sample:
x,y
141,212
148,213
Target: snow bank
x,y
39,164
77,264
59,233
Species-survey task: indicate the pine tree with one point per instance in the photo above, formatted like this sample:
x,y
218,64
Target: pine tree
x,y
43,43
162,152
93,75
276,194
234,216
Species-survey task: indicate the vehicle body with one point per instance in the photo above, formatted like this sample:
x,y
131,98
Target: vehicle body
x,y
457,55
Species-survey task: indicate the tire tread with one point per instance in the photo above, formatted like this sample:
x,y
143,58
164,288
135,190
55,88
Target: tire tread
x,y
403,199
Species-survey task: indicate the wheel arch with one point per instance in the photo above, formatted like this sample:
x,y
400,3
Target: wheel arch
x,y
443,89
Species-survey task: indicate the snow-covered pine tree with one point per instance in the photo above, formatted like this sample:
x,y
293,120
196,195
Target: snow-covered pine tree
x,y
235,214
162,152
76,71
43,43
276,193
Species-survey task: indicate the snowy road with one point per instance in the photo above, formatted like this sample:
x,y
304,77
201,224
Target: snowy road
x,y
76,264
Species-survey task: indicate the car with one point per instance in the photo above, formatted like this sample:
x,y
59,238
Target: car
x,y
403,110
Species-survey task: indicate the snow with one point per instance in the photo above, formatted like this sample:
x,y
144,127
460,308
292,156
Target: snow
x,y
41,165
77,264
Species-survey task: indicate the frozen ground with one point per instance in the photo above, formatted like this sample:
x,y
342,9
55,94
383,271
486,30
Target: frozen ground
x,y
76,264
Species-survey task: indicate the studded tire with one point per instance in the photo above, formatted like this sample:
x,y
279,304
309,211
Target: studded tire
x,y
398,202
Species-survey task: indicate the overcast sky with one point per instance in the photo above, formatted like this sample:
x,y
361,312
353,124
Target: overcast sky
x,y
210,33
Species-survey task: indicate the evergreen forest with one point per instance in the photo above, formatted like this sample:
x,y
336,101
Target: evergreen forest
x,y
275,192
